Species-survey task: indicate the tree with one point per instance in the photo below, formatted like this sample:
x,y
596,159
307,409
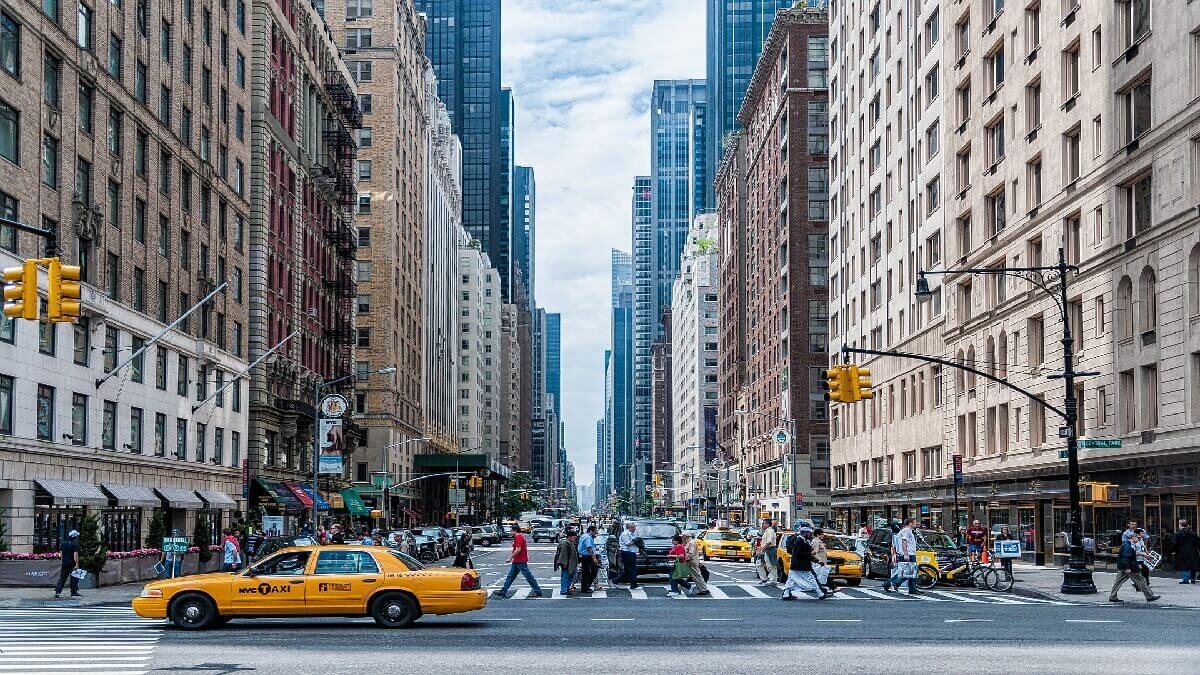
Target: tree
x,y
158,529
201,535
519,495
4,545
93,554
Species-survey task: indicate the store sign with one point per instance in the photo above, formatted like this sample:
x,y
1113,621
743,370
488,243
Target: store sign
x,y
245,479
332,444
1098,443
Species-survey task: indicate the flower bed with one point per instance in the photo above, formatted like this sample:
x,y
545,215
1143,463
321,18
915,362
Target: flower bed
x,y
41,569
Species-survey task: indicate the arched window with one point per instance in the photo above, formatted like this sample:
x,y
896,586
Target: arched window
x,y
1002,355
1193,277
960,384
989,356
971,377
1124,310
1148,300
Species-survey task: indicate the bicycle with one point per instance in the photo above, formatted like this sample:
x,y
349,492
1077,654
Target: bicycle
x,y
969,573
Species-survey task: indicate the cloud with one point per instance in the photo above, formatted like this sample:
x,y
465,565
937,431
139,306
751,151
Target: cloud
x,y
582,71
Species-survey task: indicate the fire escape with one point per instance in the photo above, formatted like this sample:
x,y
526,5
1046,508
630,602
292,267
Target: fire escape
x,y
339,230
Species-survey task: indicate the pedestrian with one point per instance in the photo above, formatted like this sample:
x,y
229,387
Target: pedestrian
x,y
231,554
254,540
519,563
904,559
612,555
69,550
768,553
566,562
800,568
172,563
693,561
1187,553
367,539
820,557
1129,568
864,531
629,553
336,534
589,559
462,554
976,538
1131,529
681,573
1006,535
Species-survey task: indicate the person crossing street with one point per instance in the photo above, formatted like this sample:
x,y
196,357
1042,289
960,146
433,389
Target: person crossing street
x,y
692,556
629,553
904,559
589,559
566,561
767,553
1129,569
519,564
800,569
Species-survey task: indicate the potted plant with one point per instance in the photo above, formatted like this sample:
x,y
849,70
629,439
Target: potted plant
x,y
157,530
201,535
93,554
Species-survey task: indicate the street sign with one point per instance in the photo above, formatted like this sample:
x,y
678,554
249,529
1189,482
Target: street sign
x,y
334,405
1100,443
174,544
1064,432
799,500
381,480
782,436
958,472
458,496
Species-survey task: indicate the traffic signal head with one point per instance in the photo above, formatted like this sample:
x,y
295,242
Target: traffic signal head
x,y
860,380
837,384
453,484
20,291
62,300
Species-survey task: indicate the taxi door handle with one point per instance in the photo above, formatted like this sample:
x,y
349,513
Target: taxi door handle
x,y
296,581
370,580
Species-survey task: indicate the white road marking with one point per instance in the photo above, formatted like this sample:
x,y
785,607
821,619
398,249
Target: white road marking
x,y
717,593
637,593
839,620
611,619
969,620
958,597
875,594
522,593
753,591
702,619
602,593
1092,621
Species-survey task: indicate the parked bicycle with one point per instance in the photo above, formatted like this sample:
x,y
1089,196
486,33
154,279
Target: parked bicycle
x,y
968,573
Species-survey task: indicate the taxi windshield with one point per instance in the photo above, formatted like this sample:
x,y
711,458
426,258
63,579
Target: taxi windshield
x,y
723,536
834,544
410,562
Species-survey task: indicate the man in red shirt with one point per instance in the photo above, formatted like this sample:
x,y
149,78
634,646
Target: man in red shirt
x,y
519,562
976,537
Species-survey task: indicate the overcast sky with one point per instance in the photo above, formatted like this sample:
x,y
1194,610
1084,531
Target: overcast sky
x,y
582,71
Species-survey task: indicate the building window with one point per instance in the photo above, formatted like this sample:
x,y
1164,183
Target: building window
x,y
201,442
364,169
995,140
996,213
360,70
1135,20
181,372
47,337
181,439
1135,104
52,80
1070,59
818,62
137,367
356,9
1135,202
1033,182
235,448
994,67
1033,105
108,428
10,44
6,405
50,161
45,412
10,132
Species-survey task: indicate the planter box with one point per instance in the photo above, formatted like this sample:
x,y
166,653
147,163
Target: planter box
x,y
44,573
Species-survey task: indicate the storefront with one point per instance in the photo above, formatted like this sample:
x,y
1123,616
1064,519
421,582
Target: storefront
x,y
463,505
275,499
59,507
354,508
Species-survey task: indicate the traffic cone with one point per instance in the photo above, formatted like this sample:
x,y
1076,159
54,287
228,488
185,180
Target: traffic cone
x,y
986,558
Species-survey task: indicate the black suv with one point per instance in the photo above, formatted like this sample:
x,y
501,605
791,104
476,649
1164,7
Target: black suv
x,y
877,560
656,536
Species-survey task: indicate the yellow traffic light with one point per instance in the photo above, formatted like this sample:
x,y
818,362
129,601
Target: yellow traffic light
x,y
860,382
453,484
837,384
20,291
658,479
62,300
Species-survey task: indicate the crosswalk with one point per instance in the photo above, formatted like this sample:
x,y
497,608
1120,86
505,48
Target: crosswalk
x,y
750,591
44,640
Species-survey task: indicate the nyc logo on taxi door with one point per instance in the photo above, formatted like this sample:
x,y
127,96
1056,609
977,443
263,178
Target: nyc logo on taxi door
x,y
265,589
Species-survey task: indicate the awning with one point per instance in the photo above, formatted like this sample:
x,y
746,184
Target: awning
x,y
299,493
285,497
354,503
69,493
132,495
179,498
322,505
217,499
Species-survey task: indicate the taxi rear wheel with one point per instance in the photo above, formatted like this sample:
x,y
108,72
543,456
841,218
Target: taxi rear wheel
x,y
394,610
193,612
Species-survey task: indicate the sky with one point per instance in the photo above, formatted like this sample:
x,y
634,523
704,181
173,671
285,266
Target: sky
x,y
582,72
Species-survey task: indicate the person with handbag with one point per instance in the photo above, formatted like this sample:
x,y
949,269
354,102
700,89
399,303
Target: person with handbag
x,y
904,559
70,562
566,561
589,558
681,574
800,568
1129,568
692,557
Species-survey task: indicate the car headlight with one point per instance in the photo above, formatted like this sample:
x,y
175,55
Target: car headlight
x,y
151,593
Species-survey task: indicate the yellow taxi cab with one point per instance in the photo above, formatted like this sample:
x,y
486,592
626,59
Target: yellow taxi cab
x,y
844,563
392,587
722,543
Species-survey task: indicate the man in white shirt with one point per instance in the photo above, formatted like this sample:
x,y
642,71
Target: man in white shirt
x,y
629,554
768,552
904,558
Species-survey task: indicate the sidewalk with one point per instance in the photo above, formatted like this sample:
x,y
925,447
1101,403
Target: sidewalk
x,y
11,596
1046,582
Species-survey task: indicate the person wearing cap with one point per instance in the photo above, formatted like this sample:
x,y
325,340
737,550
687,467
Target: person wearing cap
x,y
70,563
172,563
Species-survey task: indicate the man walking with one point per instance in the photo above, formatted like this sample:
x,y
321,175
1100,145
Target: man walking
x,y
629,553
692,558
768,553
904,559
231,555
800,569
519,562
589,558
1129,568
1187,553
976,538
70,563
566,560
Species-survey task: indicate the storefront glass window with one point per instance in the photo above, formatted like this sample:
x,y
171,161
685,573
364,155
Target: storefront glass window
x,y
122,528
51,525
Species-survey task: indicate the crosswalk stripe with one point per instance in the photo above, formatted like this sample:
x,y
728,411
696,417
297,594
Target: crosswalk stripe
x,y
73,640
602,593
637,593
522,593
717,593
875,594
752,591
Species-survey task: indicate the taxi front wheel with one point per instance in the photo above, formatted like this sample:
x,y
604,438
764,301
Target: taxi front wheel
x,y
193,612
394,610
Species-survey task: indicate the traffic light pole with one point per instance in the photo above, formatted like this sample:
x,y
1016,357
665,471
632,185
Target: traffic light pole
x,y
51,236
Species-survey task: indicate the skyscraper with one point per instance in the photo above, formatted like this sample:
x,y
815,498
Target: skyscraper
x,y
621,371
678,190
554,358
463,43
524,227
504,186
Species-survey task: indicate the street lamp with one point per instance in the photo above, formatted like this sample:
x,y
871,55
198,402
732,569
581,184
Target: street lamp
x,y
316,451
1077,578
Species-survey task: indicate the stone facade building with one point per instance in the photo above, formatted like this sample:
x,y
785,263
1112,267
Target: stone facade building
x,y
126,133
784,279
479,353
1062,128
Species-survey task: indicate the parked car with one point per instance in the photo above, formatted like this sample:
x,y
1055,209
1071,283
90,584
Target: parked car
x,y
845,564
877,561
444,539
485,535
426,550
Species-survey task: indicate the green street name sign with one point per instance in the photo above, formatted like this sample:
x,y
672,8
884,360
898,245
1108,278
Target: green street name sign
x,y
1100,443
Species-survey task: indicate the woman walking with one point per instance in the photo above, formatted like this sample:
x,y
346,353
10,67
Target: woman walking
x,y
682,573
462,556
1006,535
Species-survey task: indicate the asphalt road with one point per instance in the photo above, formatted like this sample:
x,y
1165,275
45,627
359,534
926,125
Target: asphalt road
x,y
866,631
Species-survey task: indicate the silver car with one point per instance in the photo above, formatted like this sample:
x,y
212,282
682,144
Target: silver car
x,y
485,535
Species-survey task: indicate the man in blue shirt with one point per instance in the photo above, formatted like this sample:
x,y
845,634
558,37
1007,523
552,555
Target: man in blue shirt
x,y
589,559
629,554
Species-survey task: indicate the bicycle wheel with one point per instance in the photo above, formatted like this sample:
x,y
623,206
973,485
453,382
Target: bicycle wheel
x,y
999,580
927,576
980,578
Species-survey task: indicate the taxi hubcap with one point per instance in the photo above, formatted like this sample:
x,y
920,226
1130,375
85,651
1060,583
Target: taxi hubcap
x,y
394,611
192,612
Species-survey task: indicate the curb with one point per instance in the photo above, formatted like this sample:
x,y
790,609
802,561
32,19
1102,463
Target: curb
x,y
61,602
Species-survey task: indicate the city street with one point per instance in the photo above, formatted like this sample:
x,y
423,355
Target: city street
x,y
862,630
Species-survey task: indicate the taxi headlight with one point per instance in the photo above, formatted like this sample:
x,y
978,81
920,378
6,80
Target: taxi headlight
x,y
151,593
